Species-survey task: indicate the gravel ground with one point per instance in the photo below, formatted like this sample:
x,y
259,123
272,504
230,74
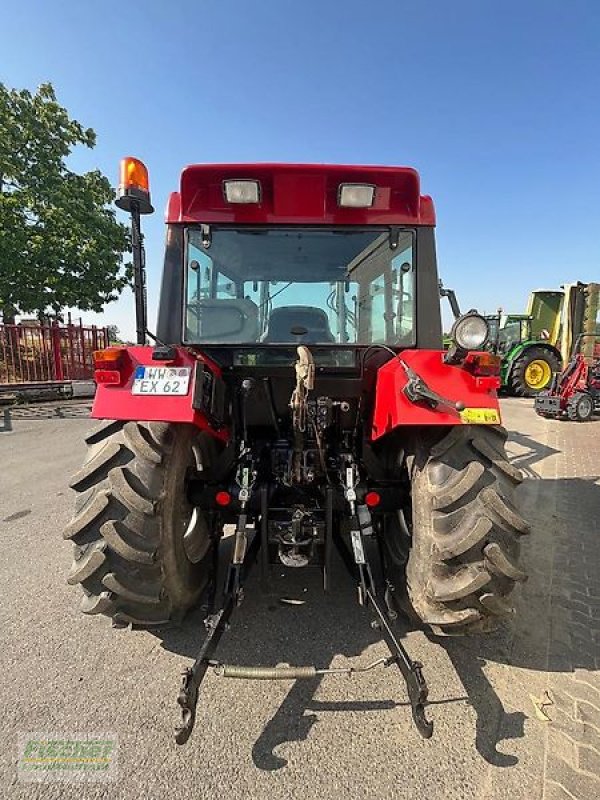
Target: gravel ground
x,y
517,714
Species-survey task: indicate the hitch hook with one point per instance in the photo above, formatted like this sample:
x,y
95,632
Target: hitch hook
x,y
188,700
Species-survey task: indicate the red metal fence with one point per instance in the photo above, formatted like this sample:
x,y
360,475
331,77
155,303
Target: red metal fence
x,y
41,353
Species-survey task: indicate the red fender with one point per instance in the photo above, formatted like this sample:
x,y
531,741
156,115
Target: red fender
x,y
456,383
115,401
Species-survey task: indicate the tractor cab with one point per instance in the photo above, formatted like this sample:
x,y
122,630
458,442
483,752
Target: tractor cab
x,y
264,258
278,285
266,290
507,330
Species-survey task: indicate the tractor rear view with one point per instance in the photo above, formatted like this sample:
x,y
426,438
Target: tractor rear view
x,y
297,392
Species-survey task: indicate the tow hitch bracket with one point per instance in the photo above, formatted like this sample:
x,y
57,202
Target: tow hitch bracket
x,y
216,625
412,671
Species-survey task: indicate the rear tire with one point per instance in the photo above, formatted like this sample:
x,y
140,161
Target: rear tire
x,y
580,408
524,365
142,553
464,557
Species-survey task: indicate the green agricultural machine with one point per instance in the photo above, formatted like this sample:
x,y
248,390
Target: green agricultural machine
x,y
527,343
535,345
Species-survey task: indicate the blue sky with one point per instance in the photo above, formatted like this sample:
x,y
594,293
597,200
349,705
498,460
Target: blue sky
x,y
497,104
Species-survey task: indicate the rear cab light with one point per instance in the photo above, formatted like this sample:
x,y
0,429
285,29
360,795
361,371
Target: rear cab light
x,y
241,191
356,195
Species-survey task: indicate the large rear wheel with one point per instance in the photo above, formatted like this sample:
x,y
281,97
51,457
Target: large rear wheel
x,y
532,371
142,553
463,560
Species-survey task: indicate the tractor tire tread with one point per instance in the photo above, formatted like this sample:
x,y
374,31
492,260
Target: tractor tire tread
x,y
572,408
498,459
116,527
126,543
466,532
111,454
88,515
458,486
89,561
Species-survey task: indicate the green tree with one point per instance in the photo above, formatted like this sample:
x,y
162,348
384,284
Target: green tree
x,y
113,334
60,244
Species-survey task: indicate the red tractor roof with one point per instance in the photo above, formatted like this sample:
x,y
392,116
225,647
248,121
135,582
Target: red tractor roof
x,y
300,194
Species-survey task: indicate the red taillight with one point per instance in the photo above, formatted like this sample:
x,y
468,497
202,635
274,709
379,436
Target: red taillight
x,y
108,365
107,376
372,499
222,498
483,364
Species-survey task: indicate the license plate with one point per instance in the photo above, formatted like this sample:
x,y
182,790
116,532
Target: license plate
x,y
161,380
480,416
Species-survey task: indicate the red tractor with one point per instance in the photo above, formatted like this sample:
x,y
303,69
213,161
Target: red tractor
x,y
297,393
574,393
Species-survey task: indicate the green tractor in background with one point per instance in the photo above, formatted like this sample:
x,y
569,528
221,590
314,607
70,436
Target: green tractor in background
x,y
527,344
535,345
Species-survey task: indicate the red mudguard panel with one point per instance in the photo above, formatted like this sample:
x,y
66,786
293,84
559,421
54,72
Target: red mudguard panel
x,y
393,408
117,401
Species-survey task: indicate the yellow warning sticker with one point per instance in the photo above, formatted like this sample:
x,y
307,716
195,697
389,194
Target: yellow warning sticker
x,y
480,416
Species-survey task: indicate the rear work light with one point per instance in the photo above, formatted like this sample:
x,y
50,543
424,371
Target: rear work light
x,y
470,331
241,191
356,195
